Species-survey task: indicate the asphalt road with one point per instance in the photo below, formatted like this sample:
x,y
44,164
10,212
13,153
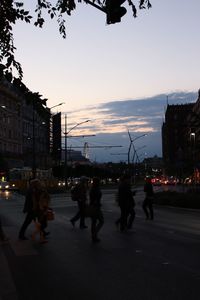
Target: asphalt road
x,y
155,260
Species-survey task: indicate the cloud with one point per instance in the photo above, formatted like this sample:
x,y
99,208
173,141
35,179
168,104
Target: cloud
x,y
110,122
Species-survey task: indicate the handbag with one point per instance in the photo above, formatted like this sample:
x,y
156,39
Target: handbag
x,y
50,214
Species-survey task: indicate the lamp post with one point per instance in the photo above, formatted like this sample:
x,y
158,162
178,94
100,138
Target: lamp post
x,y
66,136
193,143
135,151
131,144
57,105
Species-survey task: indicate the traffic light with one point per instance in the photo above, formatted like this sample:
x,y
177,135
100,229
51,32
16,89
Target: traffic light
x,y
114,11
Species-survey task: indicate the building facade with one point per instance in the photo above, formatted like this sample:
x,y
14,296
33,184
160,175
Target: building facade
x,y
181,138
24,128
11,140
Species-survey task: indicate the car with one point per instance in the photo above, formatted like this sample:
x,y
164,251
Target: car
x,y
156,181
6,186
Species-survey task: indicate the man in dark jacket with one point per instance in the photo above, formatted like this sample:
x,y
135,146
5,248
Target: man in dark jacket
x,y
81,195
28,208
126,203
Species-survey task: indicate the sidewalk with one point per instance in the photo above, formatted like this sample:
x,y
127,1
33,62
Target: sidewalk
x,y
7,286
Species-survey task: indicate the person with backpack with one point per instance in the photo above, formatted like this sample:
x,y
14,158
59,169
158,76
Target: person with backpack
x,y
79,194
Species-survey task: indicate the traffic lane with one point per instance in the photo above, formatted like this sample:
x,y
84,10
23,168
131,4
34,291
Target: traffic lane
x,y
142,265
172,218
176,219
122,264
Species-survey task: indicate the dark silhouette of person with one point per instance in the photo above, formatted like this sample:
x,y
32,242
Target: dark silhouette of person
x,y
81,195
148,201
126,203
34,186
40,206
3,237
97,219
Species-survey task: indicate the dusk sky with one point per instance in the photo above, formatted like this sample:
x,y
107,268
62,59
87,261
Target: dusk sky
x,y
111,121
99,65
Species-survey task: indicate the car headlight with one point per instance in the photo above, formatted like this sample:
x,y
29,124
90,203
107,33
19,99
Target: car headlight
x,y
7,186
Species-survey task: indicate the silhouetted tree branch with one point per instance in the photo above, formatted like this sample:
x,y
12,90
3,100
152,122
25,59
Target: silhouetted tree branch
x,y
12,11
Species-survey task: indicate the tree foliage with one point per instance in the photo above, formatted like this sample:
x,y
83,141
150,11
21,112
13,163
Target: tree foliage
x,y
12,11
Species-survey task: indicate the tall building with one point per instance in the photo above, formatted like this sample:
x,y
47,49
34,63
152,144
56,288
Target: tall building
x,y
192,135
11,141
24,128
173,135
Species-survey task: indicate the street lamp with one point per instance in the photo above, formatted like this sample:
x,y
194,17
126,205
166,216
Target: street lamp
x,y
136,151
57,105
193,144
78,124
66,136
131,143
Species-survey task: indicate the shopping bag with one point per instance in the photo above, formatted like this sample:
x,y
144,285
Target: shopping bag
x,y
50,214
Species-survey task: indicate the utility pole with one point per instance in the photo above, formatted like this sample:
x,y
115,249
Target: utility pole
x,y
65,165
33,141
66,154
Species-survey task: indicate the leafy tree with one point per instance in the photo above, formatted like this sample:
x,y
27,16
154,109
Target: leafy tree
x,y
12,11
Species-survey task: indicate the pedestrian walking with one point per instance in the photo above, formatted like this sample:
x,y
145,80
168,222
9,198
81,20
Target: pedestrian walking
x,y
80,195
97,219
41,203
126,203
148,201
3,237
34,186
